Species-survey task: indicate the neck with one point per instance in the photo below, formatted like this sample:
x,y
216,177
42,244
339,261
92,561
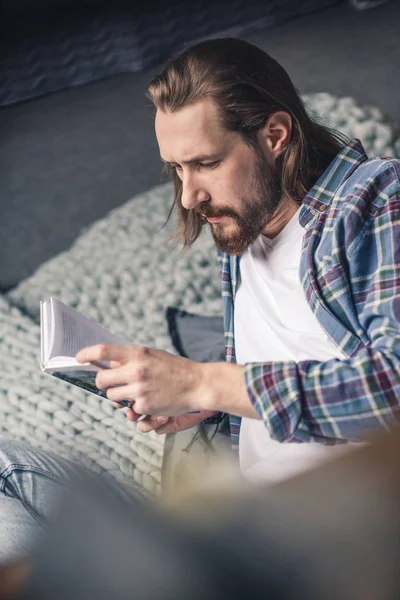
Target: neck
x,y
285,211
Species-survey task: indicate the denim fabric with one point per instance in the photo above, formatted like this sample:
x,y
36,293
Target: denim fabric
x,y
32,482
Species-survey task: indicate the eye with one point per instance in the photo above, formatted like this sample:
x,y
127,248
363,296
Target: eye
x,y
199,165
173,168
210,165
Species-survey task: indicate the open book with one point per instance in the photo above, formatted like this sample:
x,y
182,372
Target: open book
x,y
64,332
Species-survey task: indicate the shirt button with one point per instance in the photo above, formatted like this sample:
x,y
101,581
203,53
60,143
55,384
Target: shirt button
x,y
323,207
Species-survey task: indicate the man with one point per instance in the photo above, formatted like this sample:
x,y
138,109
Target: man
x,y
308,237
308,234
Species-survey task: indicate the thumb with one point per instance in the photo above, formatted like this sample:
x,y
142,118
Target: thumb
x,y
186,421
151,423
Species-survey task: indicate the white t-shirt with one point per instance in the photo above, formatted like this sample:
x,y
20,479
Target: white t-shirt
x,y
273,322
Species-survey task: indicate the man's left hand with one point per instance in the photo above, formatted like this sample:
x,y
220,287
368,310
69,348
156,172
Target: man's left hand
x,y
158,382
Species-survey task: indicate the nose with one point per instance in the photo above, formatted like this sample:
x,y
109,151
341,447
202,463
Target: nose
x,y
192,193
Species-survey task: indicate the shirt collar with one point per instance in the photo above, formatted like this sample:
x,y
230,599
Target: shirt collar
x,y
318,199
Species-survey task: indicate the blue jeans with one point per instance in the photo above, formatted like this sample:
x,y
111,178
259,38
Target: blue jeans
x,y
32,482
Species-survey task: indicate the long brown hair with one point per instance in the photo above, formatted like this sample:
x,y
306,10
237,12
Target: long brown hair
x,y
247,85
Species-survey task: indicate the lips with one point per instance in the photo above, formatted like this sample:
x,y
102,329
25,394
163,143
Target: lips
x,y
213,219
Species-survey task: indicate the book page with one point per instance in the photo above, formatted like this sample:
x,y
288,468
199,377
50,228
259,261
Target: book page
x,y
46,331
74,331
44,344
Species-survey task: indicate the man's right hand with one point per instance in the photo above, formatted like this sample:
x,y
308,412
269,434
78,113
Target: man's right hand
x,y
168,424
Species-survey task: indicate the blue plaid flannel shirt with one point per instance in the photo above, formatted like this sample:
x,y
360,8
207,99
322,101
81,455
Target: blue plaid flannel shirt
x,y
350,273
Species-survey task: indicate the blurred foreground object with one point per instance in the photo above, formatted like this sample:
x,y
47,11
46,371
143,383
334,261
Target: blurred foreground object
x,y
328,534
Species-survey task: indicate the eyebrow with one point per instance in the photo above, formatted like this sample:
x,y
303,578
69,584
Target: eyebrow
x,y
194,160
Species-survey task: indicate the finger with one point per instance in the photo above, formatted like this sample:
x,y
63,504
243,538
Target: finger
x,y
132,415
106,378
102,352
118,405
151,423
170,427
183,422
148,423
114,364
121,392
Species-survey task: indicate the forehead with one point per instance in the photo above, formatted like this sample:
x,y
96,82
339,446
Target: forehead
x,y
195,128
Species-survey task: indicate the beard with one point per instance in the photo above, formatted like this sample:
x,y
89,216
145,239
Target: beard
x,y
259,206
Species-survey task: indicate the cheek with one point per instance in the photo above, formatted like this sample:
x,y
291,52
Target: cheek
x,y
235,184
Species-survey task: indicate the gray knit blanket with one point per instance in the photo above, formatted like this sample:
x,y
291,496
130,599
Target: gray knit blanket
x,y
124,271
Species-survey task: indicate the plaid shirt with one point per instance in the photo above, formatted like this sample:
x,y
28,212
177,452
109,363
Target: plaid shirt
x,y
350,273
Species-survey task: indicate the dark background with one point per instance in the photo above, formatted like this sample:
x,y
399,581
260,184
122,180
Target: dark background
x,y
69,157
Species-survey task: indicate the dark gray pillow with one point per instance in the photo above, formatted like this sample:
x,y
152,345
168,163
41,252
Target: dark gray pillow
x,y
196,337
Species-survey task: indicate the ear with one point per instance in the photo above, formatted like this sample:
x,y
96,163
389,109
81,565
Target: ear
x,y
275,134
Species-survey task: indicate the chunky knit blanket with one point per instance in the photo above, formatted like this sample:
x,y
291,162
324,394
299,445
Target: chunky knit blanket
x,y
123,272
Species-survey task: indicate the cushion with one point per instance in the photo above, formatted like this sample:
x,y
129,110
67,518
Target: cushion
x,y
75,45
197,337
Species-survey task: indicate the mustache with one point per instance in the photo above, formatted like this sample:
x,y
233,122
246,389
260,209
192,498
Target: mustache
x,y
208,212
